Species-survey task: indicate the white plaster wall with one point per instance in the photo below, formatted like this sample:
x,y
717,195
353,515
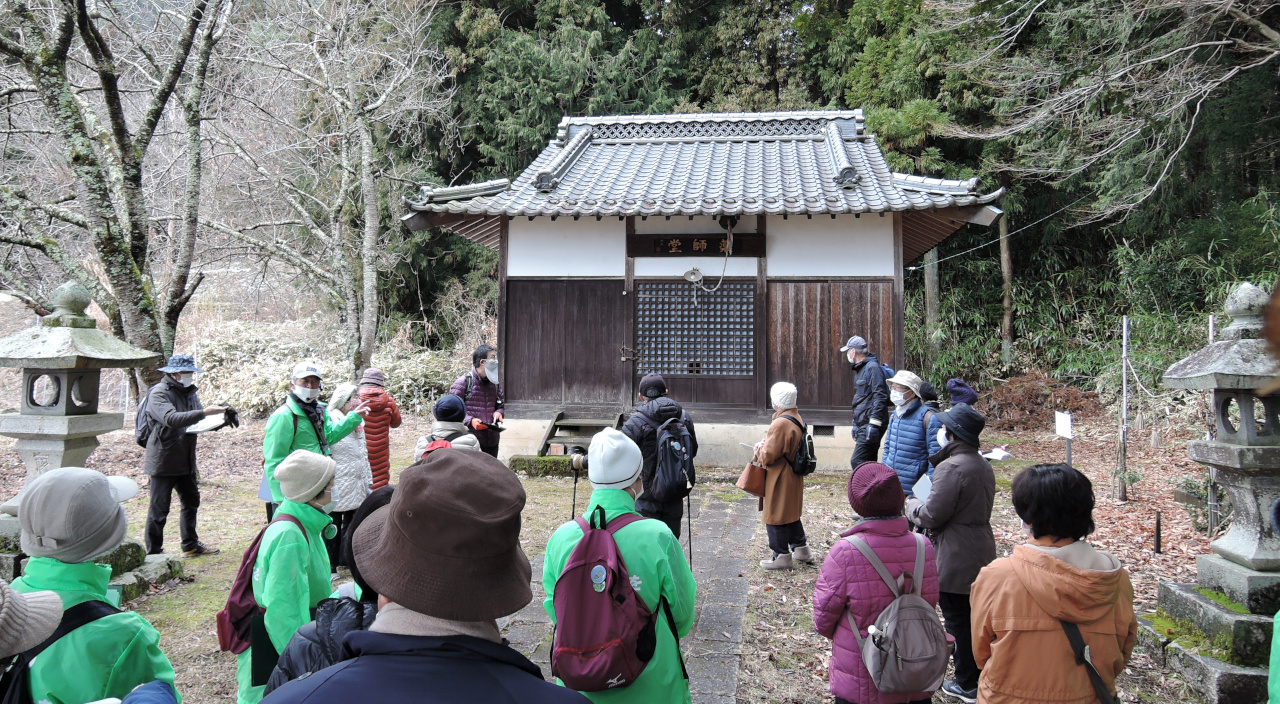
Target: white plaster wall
x,y
699,225
843,246
667,267
543,247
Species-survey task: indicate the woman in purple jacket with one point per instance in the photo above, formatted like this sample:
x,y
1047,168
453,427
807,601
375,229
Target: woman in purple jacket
x,y
848,583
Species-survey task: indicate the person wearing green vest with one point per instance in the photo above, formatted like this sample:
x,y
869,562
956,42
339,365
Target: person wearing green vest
x,y
302,423
68,517
653,558
291,574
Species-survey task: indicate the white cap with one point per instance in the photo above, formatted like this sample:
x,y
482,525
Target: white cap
x,y
305,370
613,460
783,395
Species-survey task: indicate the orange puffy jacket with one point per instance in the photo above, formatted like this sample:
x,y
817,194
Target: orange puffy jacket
x,y
384,415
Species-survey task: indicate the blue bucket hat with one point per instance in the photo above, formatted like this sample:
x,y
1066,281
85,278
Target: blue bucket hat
x,y
179,363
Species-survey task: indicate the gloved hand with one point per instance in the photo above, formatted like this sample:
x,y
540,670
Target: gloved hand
x,y
231,417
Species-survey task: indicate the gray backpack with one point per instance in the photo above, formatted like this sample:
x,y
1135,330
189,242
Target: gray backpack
x,y
908,650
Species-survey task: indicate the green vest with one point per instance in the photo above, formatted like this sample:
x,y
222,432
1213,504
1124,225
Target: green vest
x,y
103,659
656,562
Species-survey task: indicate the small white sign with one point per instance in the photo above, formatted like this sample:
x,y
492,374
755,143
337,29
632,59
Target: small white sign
x,y
1062,423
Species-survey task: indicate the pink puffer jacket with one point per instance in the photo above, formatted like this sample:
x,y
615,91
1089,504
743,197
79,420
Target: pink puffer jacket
x,y
848,581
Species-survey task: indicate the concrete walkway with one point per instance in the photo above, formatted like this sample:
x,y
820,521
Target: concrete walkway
x,y
723,525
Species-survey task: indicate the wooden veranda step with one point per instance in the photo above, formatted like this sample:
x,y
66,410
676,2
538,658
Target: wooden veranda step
x,y
577,431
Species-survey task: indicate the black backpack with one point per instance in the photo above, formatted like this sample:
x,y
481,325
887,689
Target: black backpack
x,y
142,421
16,682
673,474
806,461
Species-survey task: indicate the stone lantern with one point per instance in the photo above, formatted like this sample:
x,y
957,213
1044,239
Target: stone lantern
x,y
61,360
1229,609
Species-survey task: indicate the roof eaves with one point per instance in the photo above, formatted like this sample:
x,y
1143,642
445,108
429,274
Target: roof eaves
x,y
855,115
430,196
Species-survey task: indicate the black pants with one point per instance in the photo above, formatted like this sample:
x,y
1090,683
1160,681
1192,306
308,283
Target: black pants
x,y
342,522
786,536
918,701
868,447
271,510
162,489
955,615
491,451
671,513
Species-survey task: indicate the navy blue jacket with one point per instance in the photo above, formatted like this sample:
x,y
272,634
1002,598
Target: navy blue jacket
x,y
390,669
870,394
658,411
907,447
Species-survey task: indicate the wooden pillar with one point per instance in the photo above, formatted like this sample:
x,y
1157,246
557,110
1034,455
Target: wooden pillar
x,y
1006,275
931,326
502,297
629,290
899,354
762,320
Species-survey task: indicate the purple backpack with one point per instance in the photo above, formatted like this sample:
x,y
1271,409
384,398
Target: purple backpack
x,y
604,633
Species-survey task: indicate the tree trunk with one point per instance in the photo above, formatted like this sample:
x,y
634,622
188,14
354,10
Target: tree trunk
x,y
931,324
369,246
1006,274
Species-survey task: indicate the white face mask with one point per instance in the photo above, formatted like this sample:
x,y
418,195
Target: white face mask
x,y
491,370
187,379
306,394
897,398
942,437
850,356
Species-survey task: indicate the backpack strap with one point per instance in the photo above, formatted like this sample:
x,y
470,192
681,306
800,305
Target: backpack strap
x,y
895,586
471,382
671,621
81,614
928,415
803,432
286,518
1083,657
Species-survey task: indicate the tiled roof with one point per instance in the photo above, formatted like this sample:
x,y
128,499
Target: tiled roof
x,y
795,163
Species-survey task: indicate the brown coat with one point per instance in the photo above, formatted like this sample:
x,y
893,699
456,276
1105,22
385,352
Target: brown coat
x,y
1017,638
783,488
959,512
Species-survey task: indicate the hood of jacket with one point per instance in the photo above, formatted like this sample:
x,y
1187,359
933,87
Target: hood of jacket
x,y
661,409
377,398
1065,591
440,428
335,618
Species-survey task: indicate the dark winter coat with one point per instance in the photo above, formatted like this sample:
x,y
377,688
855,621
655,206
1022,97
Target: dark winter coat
x,y
658,411
870,395
484,400
318,644
171,450
958,510
908,445
392,669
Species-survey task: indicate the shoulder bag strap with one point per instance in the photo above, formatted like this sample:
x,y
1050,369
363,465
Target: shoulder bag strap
x,y
671,621
1083,657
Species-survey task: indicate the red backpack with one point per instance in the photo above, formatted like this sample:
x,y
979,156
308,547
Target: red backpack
x,y
605,632
235,620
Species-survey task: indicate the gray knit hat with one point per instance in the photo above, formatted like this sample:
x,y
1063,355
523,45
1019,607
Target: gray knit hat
x,y
26,619
304,474
73,514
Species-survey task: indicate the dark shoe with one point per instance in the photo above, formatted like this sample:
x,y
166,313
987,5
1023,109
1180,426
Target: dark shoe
x,y
200,549
951,688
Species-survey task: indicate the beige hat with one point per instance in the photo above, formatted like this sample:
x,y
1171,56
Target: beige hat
x,y
26,620
304,474
907,379
73,514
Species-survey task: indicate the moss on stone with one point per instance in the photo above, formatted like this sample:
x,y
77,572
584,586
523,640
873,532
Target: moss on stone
x,y
1222,600
550,466
1189,637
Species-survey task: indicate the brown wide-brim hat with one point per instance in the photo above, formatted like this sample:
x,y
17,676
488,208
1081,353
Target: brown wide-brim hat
x,y
448,544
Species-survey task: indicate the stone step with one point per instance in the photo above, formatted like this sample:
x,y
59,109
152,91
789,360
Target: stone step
x,y
155,569
1218,682
1249,634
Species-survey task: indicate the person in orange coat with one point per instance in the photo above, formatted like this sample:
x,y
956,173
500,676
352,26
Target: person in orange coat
x,y
384,415
1021,602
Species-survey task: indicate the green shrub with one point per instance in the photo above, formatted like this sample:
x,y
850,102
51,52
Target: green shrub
x,y
549,466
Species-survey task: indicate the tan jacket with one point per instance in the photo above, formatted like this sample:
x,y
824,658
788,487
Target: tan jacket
x,y
783,488
1018,640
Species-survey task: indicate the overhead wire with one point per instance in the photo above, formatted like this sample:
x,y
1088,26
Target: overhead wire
x,y
1011,234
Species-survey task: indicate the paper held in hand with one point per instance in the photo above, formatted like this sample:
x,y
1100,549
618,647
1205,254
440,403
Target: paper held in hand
x,y
204,426
922,487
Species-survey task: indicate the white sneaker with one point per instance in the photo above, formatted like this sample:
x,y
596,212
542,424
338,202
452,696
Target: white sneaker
x,y
803,554
781,562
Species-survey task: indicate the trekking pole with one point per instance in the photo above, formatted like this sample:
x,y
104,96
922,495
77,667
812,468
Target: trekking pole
x,y
573,512
688,514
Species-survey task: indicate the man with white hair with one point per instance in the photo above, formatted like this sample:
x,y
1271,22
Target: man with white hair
x,y
913,431
783,499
